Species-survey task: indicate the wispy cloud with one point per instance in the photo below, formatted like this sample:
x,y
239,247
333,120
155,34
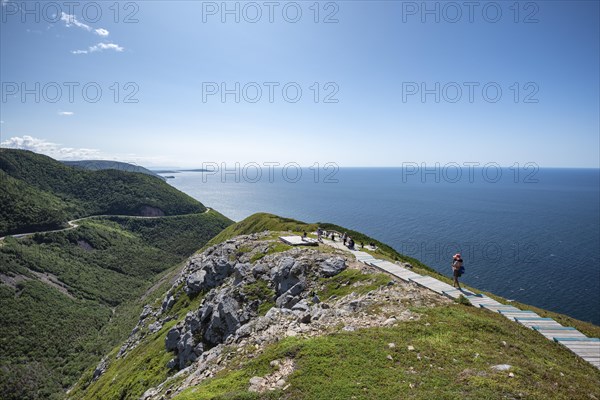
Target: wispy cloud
x,y
100,47
53,150
101,32
58,152
66,113
70,20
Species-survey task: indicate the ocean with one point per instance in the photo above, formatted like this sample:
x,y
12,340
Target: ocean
x,y
527,234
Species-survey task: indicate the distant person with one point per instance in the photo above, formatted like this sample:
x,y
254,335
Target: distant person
x,y
362,245
319,233
333,236
344,236
457,264
350,243
304,236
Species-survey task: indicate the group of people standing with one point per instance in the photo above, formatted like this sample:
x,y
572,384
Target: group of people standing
x,y
457,262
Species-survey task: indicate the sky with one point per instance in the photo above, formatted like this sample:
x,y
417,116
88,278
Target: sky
x,y
356,83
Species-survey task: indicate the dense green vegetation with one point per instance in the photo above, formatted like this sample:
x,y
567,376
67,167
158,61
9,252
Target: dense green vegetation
x,y
454,348
105,266
39,193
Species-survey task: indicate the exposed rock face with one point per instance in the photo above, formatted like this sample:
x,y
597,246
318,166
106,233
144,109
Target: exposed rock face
x,y
100,368
206,274
227,307
239,283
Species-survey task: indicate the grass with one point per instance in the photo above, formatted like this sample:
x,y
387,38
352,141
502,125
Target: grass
x,y
261,291
351,280
275,247
454,348
142,368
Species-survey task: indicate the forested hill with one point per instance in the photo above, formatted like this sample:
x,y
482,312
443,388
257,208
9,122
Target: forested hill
x,y
38,192
97,165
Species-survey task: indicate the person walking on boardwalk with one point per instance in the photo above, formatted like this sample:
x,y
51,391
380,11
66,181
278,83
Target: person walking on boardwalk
x,y
457,264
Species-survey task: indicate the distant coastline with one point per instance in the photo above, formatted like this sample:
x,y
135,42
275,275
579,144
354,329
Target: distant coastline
x,y
177,171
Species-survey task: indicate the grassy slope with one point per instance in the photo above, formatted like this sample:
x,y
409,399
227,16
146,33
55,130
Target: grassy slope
x,y
349,365
454,347
58,337
38,192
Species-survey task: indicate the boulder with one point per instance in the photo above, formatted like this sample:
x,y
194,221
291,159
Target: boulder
x,y
223,321
172,339
332,266
100,369
211,274
167,303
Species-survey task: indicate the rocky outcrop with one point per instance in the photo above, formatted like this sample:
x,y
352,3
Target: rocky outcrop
x,y
228,306
251,300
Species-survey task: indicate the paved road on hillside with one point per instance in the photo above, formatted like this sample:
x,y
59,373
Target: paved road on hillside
x,y
73,223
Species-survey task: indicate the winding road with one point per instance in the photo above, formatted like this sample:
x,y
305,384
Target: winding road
x,y
73,223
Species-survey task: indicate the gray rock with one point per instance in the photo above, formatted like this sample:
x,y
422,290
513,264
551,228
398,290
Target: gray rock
x,y
332,266
195,282
145,312
282,277
172,339
259,270
302,305
211,274
223,321
286,301
154,327
241,273
185,350
167,303
100,369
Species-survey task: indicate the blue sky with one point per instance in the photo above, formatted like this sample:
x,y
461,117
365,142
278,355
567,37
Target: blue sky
x,y
375,61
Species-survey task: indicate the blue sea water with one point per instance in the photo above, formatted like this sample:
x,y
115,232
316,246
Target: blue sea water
x,y
532,236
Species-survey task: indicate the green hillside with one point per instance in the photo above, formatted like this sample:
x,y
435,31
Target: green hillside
x,y
69,297
445,354
38,192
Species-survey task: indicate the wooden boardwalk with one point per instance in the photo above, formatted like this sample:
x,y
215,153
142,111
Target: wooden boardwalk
x,y
583,346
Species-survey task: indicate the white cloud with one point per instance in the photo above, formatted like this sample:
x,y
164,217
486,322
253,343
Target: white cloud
x,y
106,46
100,47
66,113
53,150
58,152
71,20
101,32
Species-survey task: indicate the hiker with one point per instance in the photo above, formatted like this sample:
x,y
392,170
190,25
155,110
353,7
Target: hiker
x,y
344,236
304,236
350,243
457,263
319,233
333,236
